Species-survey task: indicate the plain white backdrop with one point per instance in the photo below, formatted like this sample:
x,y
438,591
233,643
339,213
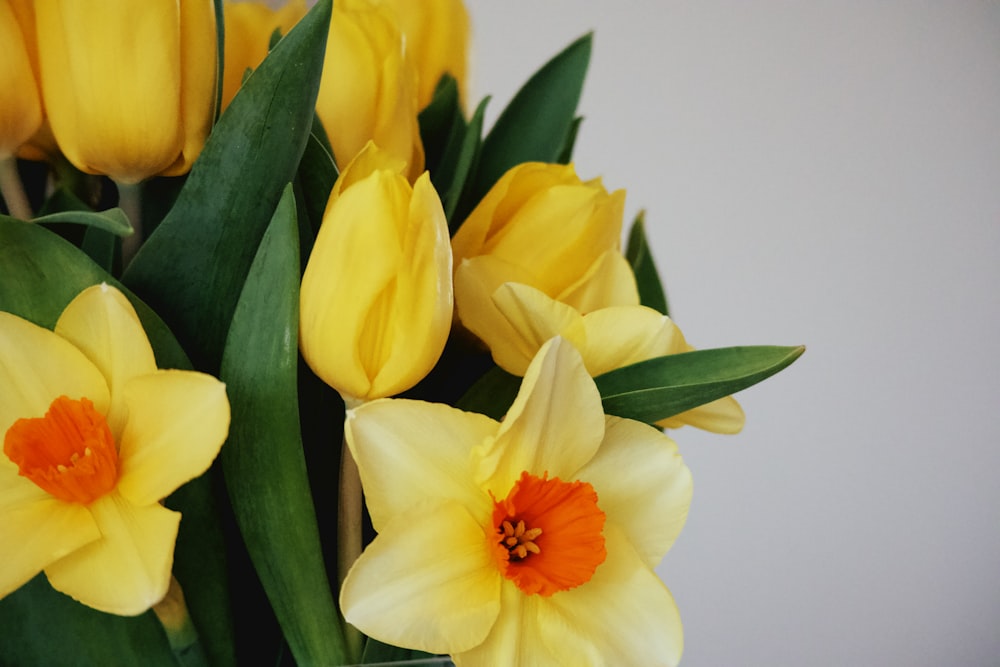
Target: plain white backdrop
x,y
826,173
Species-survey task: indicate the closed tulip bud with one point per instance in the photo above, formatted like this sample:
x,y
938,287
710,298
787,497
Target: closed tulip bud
x,y
249,26
540,225
376,300
437,41
368,89
128,85
21,110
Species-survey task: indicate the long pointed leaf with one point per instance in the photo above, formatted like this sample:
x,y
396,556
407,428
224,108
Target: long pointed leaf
x,y
641,259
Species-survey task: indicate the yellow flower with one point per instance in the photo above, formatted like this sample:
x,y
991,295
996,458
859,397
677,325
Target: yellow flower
x,y
21,111
249,26
541,226
95,437
376,300
437,41
128,85
368,89
607,338
526,542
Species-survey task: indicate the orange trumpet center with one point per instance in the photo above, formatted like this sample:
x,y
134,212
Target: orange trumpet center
x,y
549,534
70,452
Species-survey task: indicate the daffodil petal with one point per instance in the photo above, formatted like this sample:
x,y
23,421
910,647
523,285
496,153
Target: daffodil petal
x,y
409,450
37,366
428,581
516,637
177,421
554,426
621,335
609,281
624,612
37,529
650,503
128,569
103,325
720,416
535,318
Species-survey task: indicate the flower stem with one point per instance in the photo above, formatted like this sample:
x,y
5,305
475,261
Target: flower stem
x,y
130,201
12,189
181,633
349,510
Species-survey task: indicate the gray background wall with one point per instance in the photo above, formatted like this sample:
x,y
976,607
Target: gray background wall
x,y
825,173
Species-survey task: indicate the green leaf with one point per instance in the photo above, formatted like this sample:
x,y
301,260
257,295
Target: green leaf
x,y
101,246
461,158
263,461
191,269
112,220
378,653
536,123
42,274
316,175
491,395
658,388
646,277
439,120
566,152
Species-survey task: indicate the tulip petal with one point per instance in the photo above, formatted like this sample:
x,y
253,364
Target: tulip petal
x,y
428,581
410,450
534,318
609,281
624,612
177,421
554,426
723,415
516,638
476,280
650,502
623,335
21,112
128,569
37,366
37,529
102,324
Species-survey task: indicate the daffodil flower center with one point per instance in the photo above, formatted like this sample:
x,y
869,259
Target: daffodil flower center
x,y
70,452
548,535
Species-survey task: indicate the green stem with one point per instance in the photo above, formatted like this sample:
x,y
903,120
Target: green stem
x,y
12,189
349,512
130,201
181,634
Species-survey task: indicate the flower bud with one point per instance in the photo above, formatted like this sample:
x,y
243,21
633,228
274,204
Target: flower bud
x,y
376,301
128,85
21,111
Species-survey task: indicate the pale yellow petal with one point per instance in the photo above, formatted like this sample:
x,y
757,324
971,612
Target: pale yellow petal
x,y
534,318
410,450
609,281
623,335
554,426
177,421
720,416
642,484
37,529
37,366
102,323
623,616
127,570
427,581
516,637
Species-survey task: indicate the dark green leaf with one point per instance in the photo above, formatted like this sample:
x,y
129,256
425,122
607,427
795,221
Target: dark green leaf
x,y
263,461
113,220
461,158
102,247
665,386
646,277
377,653
316,175
191,270
439,120
566,152
492,395
535,124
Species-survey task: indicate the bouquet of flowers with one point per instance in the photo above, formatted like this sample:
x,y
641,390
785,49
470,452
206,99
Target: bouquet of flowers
x,y
299,365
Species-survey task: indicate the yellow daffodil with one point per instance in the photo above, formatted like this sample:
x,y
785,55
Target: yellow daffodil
x,y
526,542
607,338
541,226
376,300
95,436
21,110
249,26
437,41
368,90
128,85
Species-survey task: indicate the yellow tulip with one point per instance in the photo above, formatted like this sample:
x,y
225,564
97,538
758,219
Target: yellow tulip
x,y
94,438
128,85
368,90
541,226
376,300
21,111
249,26
437,41
531,541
